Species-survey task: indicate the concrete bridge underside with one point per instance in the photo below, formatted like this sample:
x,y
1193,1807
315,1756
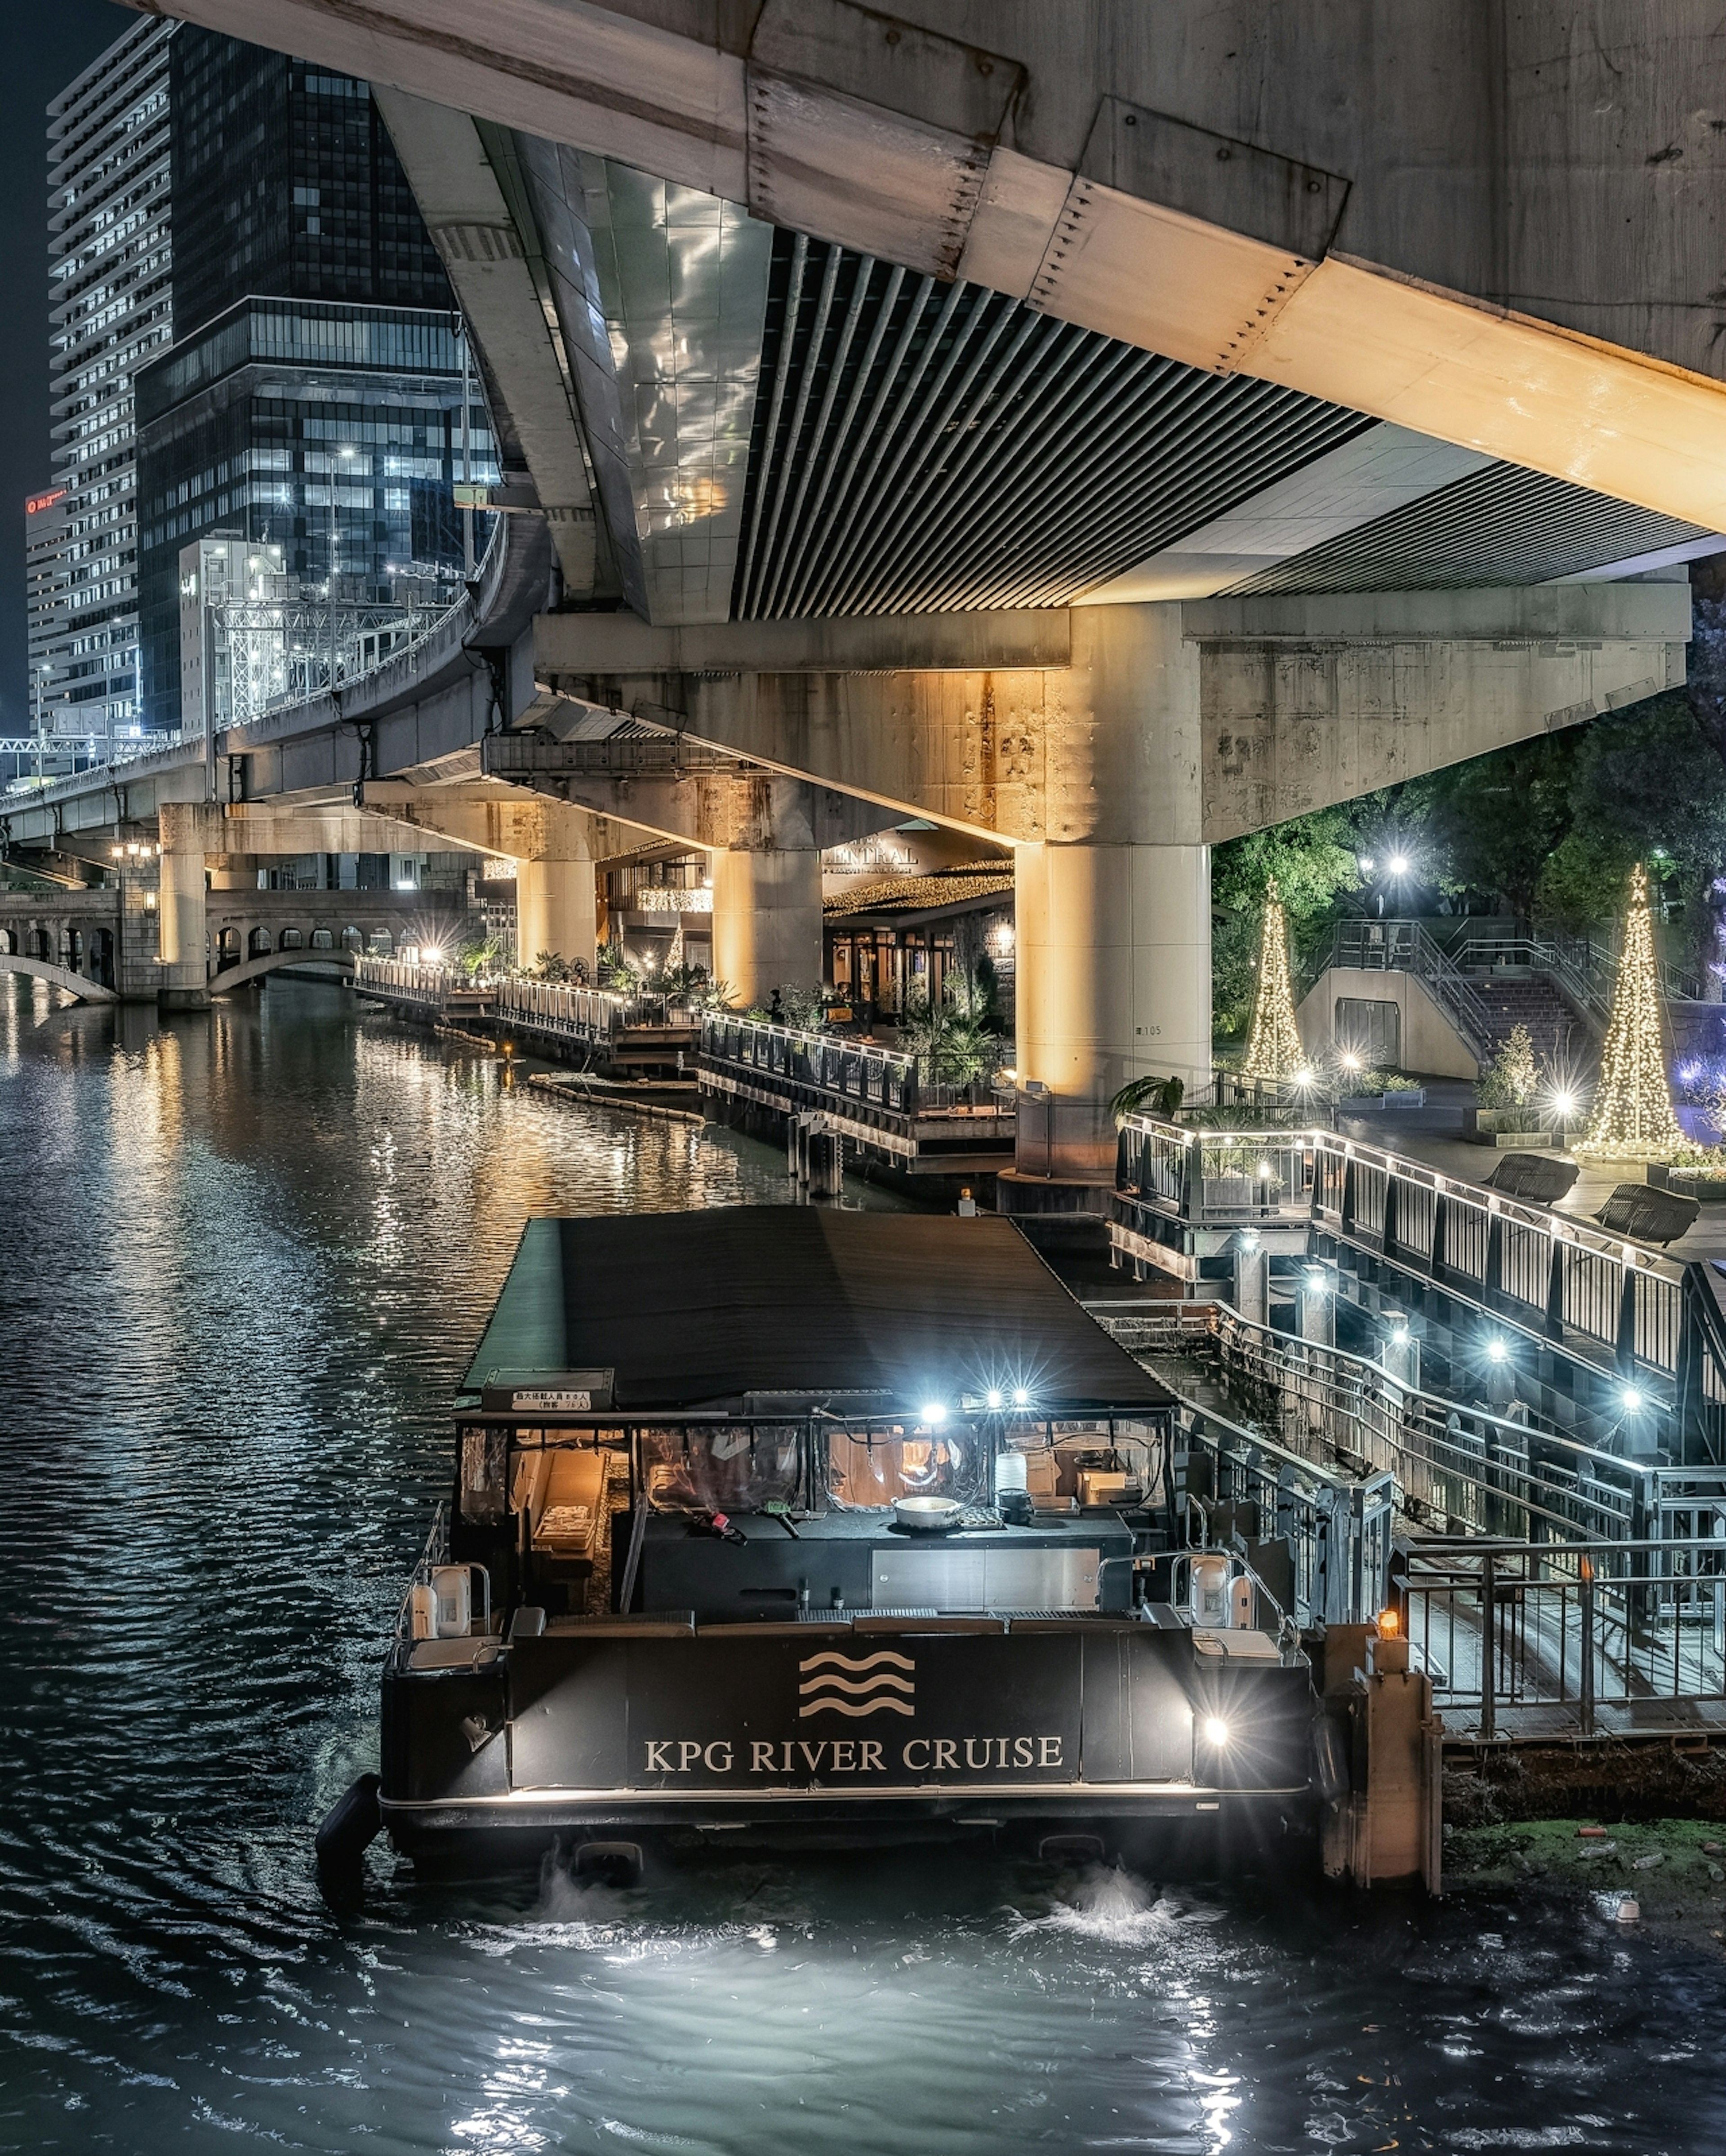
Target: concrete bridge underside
x,y
1108,431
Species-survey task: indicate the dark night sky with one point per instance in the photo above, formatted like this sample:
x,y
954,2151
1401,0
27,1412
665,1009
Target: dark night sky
x,y
45,47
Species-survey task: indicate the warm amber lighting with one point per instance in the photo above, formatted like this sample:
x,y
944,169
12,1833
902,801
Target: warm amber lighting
x,y
1389,1624
1633,1117
1273,1046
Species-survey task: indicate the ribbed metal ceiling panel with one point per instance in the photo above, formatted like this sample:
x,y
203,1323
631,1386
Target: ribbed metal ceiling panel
x,y
920,446
1500,526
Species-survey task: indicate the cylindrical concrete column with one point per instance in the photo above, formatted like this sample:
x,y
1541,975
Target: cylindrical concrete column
x,y
1113,983
556,911
183,936
767,922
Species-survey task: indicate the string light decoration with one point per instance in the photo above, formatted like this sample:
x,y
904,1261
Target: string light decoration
x,y
1273,1045
1633,1117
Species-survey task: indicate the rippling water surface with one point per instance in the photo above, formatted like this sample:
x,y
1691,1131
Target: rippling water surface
x,y
242,1262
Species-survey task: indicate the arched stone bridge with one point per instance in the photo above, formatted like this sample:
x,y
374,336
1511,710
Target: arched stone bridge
x,y
100,946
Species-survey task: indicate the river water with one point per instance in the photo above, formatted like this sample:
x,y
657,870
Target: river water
x,y
242,1261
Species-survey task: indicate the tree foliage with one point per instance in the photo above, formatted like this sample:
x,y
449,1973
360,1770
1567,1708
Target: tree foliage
x,y
1312,859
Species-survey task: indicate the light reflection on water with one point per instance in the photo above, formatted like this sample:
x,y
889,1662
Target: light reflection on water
x,y
243,1261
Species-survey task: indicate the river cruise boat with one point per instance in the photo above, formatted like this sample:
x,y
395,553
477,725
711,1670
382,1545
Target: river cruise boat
x,y
783,1524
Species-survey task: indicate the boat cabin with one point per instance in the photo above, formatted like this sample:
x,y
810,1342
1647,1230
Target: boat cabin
x,y
782,1520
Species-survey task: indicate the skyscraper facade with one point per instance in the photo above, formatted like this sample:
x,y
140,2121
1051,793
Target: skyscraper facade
x,y
309,411
44,591
111,267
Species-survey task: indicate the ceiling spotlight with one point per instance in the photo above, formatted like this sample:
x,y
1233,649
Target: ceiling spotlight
x,y
992,1398
1021,1398
1216,1730
1632,1398
1497,1351
935,1412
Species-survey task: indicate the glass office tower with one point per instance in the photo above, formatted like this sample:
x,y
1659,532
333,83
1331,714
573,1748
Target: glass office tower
x,y
310,408
110,266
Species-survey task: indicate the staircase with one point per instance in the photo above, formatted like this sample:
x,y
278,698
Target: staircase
x,y
1561,1040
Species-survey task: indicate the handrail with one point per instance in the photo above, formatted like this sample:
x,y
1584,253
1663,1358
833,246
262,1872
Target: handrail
x,y
1406,946
881,1078
1315,1143
1450,1460
1624,1310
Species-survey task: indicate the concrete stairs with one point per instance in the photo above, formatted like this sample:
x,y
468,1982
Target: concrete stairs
x,y
1562,1042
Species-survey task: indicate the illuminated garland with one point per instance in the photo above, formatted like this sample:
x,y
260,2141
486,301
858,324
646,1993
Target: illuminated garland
x,y
1633,1117
1273,1046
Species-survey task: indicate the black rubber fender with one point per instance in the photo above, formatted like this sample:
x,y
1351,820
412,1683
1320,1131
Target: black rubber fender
x,y
1330,1759
351,1825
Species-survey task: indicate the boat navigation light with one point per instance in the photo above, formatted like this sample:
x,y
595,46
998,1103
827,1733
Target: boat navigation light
x,y
993,1398
1216,1730
1021,1398
935,1412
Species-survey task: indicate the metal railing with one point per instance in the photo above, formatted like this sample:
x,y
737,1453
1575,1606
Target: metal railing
x,y
1338,1527
1552,1281
882,1080
406,981
587,1014
1458,1468
1405,946
1568,1629
1586,971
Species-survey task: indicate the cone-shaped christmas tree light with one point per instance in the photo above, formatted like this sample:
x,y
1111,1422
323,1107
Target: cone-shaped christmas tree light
x,y
1633,1117
1273,1045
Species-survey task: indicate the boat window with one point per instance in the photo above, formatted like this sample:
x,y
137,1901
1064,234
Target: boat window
x,y
868,1469
742,1469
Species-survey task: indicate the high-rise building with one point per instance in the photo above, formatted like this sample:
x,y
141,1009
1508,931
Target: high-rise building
x,y
44,593
309,415
110,257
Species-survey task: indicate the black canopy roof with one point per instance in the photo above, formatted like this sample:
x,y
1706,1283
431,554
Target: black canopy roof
x,y
695,1310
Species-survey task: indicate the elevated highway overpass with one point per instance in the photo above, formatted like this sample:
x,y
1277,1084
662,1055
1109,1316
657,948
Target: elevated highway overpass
x,y
1108,430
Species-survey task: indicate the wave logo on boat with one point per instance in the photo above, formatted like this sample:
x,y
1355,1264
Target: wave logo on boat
x,y
856,1685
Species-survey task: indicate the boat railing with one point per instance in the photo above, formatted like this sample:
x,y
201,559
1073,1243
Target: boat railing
x,y
435,1552
1337,1526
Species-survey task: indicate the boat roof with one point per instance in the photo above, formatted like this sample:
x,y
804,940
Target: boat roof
x,y
874,1311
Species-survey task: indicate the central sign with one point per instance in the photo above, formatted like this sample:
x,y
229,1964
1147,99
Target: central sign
x,y
739,1711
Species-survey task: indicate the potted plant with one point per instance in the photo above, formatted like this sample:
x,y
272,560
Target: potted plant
x,y
1506,1114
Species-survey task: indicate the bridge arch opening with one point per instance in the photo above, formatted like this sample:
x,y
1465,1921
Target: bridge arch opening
x,y
227,948
290,939
258,944
381,943
352,940
322,940
8,943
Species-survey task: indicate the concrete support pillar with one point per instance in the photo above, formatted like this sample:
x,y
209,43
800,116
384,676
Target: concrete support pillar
x,y
1113,983
766,922
1113,977
557,910
183,935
